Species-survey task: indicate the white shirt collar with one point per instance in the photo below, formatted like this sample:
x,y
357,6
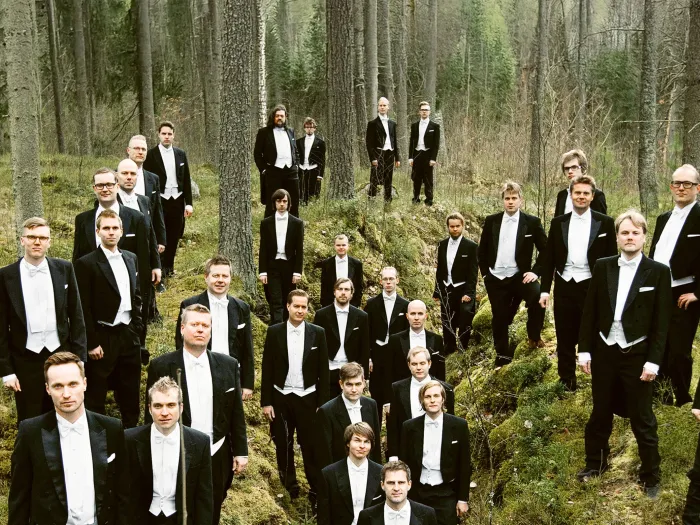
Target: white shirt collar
x,y
339,308
363,466
417,334
383,117
637,259
290,327
174,435
683,212
348,403
414,381
63,422
425,120
515,216
392,296
43,264
203,359
338,258
125,195
109,254
164,150
284,215
310,137
114,207
586,216
438,419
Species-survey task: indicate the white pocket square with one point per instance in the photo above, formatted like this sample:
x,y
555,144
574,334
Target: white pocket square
x,y
694,235
241,326
431,130
111,458
356,328
465,256
528,235
182,164
646,288
602,235
230,390
314,347
65,286
131,235
455,441
153,191
376,497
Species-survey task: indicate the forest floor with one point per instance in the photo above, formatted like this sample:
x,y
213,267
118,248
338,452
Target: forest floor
x,y
527,433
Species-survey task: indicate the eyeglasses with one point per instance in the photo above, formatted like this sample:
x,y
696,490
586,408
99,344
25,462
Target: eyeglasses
x,y
685,183
424,109
572,168
34,238
105,185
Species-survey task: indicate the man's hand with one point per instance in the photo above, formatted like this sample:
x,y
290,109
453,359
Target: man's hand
x,y
263,279
188,211
318,177
161,248
371,366
529,277
387,408
466,299
156,274
269,412
696,413
432,163
375,163
239,464
544,301
96,353
410,162
246,394
397,164
585,367
13,384
647,376
685,300
296,279
462,508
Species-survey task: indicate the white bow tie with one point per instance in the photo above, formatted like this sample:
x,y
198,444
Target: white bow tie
x,y
630,264
295,331
113,255
167,440
219,302
360,469
33,270
578,217
281,218
391,298
676,211
400,515
64,428
510,219
355,408
430,423
343,260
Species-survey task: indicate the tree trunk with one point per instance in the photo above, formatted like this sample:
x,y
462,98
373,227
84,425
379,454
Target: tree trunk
x,y
691,113
371,64
359,72
401,107
145,82
646,157
262,67
214,77
22,101
341,108
235,222
536,144
81,83
90,66
55,74
582,55
385,78
431,56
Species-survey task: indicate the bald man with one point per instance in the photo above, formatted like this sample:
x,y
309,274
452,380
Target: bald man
x,y
383,150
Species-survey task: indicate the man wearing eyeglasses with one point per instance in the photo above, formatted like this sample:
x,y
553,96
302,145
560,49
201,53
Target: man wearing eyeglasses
x,y
40,314
676,244
573,164
424,146
312,155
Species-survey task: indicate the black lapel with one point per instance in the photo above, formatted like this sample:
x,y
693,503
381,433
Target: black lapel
x,y
405,396
352,322
90,229
565,229
415,520
373,483
366,411
125,216
595,228
131,267
429,341
419,439
496,232
143,450
217,386
14,290
395,310
405,339
180,363
343,477
341,412
179,159
54,459
103,263
58,282
639,278
335,329
159,159
689,223
613,275
446,442
520,235
232,317
98,447
309,339
283,348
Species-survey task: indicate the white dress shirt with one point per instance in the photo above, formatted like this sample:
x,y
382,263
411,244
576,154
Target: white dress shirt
x,y
398,517
121,275
389,302
39,306
341,267
387,140
358,486
140,186
219,323
308,143
171,186
568,203
452,249
165,458
129,200
284,148
281,225
505,258
114,207
416,339
354,409
576,266
432,447
669,238
340,358
201,396
294,382
422,127
76,454
416,407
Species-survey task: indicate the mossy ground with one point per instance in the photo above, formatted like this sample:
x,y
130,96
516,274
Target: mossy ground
x,y
527,433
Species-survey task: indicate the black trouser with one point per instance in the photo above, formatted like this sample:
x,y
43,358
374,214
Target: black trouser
x,y
422,174
174,216
456,316
569,298
293,412
442,498
691,514
32,400
120,367
382,174
162,519
284,179
505,296
335,389
279,284
677,363
309,185
612,368
221,476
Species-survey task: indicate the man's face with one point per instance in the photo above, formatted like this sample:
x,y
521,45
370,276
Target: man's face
x,y
105,188
36,242
166,136
353,388
196,331
343,293
572,168
309,129
419,366
109,232
683,196
341,247
66,386
581,197
219,279
424,112
389,281
282,204
165,409
512,202
359,447
280,118
127,174
298,308
432,400
455,227
630,238
416,317
383,106
396,486
137,151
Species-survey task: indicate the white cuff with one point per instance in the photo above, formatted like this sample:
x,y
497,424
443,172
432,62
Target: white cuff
x,y
583,358
651,367
296,275
387,405
264,274
410,160
189,208
393,458
544,294
7,379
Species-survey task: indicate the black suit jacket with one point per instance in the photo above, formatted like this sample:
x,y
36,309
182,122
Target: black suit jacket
x,y
647,310
530,235
685,260
335,493
378,324
70,323
401,411
146,208
431,140
601,243
420,515
154,164
455,459
265,151
152,189
275,362
240,334
332,419
317,155
465,268
100,297
229,419
197,475
38,487
398,347
293,246
598,204
375,137
328,278
356,341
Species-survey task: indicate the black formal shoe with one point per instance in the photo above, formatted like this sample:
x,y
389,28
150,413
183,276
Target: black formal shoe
x,y
588,473
415,201
293,491
569,386
145,357
428,203
652,491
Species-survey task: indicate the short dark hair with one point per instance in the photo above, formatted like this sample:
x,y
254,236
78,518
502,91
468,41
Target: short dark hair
x,y
271,115
297,293
395,466
280,194
582,179
351,370
344,280
62,358
103,171
199,308
580,157
309,120
217,260
360,429
164,124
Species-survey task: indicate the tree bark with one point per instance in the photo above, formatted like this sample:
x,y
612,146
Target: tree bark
x,y
385,78
81,82
359,71
262,65
235,222
371,64
341,107
535,158
646,156
145,69
431,57
55,74
582,55
691,113
401,107
22,101
215,72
